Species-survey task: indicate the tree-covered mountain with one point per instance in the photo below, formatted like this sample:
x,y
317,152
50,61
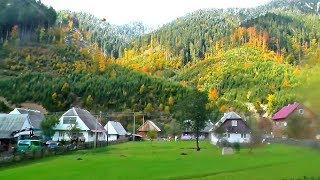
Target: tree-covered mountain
x,y
191,36
236,57
112,39
28,15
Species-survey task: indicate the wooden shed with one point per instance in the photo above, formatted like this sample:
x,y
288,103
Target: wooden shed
x,y
147,127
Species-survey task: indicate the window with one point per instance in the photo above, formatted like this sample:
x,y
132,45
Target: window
x,y
91,134
69,120
243,135
61,133
35,143
234,123
301,111
228,135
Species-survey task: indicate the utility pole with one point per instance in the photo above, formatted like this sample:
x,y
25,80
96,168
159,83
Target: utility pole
x,y
134,127
107,134
143,119
95,134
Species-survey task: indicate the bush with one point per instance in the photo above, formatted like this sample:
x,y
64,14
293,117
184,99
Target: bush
x,y
236,147
152,135
224,143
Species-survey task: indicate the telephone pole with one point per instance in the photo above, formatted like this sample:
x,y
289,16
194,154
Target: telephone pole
x,y
134,127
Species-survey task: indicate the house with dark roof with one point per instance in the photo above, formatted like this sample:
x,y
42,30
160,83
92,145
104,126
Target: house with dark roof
x,y
147,127
89,126
115,131
34,117
283,116
232,128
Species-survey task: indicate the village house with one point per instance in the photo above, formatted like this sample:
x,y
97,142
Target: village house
x,y
188,134
283,116
232,128
147,127
89,127
34,119
10,125
115,131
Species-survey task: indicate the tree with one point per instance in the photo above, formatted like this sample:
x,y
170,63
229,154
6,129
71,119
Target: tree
x,y
173,128
193,109
74,131
300,128
149,108
89,102
152,135
48,124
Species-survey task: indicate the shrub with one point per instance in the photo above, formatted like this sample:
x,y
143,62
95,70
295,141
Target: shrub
x,y
236,147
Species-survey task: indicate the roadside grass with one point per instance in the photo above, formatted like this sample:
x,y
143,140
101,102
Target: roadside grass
x,y
173,160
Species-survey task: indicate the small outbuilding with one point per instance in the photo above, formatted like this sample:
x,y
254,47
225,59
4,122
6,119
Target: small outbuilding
x,y
115,131
147,127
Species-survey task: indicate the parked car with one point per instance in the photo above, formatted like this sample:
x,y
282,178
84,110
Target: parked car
x,y
186,137
30,146
52,145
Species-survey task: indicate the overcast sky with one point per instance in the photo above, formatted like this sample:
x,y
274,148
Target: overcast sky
x,y
150,12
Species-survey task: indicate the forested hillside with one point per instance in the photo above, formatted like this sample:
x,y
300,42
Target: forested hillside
x,y
238,58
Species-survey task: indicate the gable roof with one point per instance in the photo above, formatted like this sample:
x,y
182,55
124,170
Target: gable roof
x,y
227,127
88,119
117,127
285,111
10,123
209,126
226,116
35,117
149,126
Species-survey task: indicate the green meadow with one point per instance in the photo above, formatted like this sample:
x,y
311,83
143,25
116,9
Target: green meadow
x,y
172,160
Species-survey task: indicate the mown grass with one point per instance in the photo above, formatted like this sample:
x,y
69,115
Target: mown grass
x,y
163,160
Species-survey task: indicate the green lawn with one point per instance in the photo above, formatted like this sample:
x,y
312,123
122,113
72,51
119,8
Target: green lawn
x,y
163,160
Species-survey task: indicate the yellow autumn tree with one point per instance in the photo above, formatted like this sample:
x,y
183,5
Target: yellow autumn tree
x,y
213,95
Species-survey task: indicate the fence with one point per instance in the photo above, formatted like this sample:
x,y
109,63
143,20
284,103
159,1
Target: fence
x,y
294,142
12,157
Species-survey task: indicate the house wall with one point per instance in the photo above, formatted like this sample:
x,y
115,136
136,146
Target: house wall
x,y
110,128
232,138
26,124
88,135
91,136
15,111
112,137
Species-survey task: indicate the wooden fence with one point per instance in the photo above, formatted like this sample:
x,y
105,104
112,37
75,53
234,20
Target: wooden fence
x,y
8,158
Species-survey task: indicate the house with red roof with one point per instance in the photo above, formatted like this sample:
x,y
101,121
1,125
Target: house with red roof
x,y
283,116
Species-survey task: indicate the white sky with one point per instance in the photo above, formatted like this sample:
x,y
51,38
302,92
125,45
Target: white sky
x,y
150,12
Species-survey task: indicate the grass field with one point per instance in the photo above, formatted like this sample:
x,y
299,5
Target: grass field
x,y
163,160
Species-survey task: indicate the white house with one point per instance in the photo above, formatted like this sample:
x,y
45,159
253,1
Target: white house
x,y
230,127
115,131
82,119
